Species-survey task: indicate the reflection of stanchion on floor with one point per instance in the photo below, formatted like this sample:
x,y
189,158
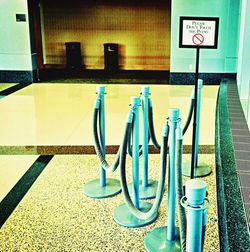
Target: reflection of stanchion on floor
x,y
200,169
147,188
103,187
137,213
168,238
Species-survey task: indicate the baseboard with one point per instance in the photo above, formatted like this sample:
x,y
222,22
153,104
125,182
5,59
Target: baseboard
x,y
58,73
208,78
16,76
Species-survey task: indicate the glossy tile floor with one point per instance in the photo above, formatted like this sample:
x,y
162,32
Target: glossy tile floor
x,y
52,114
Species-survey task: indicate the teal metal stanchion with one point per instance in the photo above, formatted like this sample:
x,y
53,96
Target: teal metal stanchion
x,y
168,238
145,93
101,93
196,204
103,187
147,187
204,225
201,169
173,118
135,102
122,215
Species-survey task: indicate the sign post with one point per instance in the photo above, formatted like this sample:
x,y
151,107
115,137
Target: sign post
x,y
198,33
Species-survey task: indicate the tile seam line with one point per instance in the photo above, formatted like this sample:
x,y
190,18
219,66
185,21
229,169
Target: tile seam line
x,y
241,136
237,123
240,159
240,142
248,151
246,129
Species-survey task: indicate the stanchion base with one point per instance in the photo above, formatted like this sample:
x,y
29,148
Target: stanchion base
x,y
201,170
93,189
125,218
156,241
148,192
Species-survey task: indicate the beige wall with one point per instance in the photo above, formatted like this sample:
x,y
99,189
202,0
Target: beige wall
x,y
142,31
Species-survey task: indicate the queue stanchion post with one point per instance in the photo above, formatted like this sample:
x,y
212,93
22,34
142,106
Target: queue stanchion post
x,y
147,187
121,214
200,169
168,238
102,187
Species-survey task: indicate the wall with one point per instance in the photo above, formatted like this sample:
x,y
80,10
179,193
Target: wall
x,y
141,29
15,54
221,60
243,73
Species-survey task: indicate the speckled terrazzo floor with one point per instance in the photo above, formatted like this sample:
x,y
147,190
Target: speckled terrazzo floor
x,y
55,215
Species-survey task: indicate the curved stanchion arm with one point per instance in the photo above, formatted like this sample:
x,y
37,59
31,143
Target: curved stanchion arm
x,y
129,148
160,189
151,126
109,168
190,114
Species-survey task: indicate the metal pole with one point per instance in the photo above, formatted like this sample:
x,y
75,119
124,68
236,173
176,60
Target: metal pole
x,y
195,194
192,175
101,93
200,82
101,187
145,103
204,225
173,115
135,103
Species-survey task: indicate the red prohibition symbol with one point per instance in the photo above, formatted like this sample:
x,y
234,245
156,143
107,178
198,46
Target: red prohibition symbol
x,y
198,39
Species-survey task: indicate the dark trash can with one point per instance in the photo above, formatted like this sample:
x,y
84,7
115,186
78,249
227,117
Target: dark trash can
x,y
111,57
73,55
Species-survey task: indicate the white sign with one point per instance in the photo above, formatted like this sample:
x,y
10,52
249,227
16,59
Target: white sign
x,y
198,31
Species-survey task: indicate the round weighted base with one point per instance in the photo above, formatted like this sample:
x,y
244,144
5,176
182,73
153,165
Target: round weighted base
x,y
201,170
148,192
93,189
125,218
156,241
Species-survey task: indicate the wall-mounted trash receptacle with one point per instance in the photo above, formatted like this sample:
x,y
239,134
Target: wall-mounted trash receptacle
x,y
111,57
73,55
